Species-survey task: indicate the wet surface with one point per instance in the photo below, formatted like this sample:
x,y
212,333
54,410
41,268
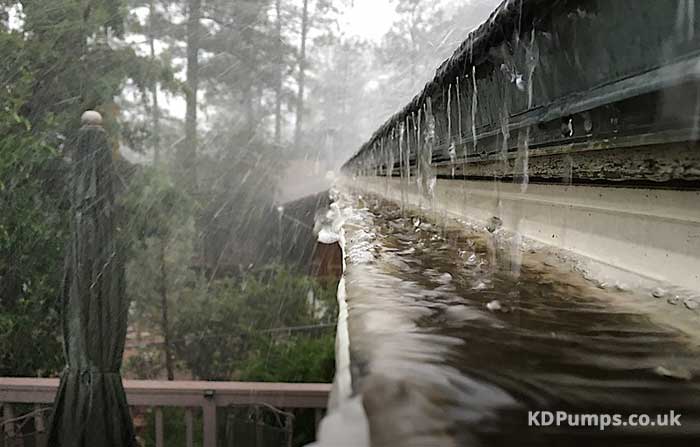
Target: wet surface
x,y
456,335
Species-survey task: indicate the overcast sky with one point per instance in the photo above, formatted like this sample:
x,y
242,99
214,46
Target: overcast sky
x,y
370,19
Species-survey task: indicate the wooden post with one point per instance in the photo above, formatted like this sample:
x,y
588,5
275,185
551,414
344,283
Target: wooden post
x,y
258,428
40,437
289,426
8,427
159,427
318,413
209,416
189,427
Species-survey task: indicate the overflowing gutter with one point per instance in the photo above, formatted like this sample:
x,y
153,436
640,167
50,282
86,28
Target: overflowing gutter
x,y
568,128
572,123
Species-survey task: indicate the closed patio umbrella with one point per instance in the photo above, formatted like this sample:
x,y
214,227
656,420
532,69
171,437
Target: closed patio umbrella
x,y
90,408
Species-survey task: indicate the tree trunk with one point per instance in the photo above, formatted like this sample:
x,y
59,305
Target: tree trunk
x,y
280,69
155,112
302,74
189,149
165,324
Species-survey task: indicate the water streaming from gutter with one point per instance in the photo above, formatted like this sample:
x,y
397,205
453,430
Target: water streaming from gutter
x,y
475,105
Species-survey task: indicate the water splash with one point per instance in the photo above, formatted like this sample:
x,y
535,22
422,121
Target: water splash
x,y
514,76
328,225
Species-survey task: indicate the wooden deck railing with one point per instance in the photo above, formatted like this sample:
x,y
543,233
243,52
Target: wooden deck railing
x,y
158,394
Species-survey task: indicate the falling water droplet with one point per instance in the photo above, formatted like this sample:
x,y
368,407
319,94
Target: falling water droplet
x,y
685,20
532,58
402,168
449,113
429,179
475,104
459,116
407,157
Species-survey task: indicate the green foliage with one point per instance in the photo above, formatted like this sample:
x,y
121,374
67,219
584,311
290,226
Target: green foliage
x,y
67,57
32,232
231,328
155,206
297,358
29,345
161,231
60,63
71,52
146,365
